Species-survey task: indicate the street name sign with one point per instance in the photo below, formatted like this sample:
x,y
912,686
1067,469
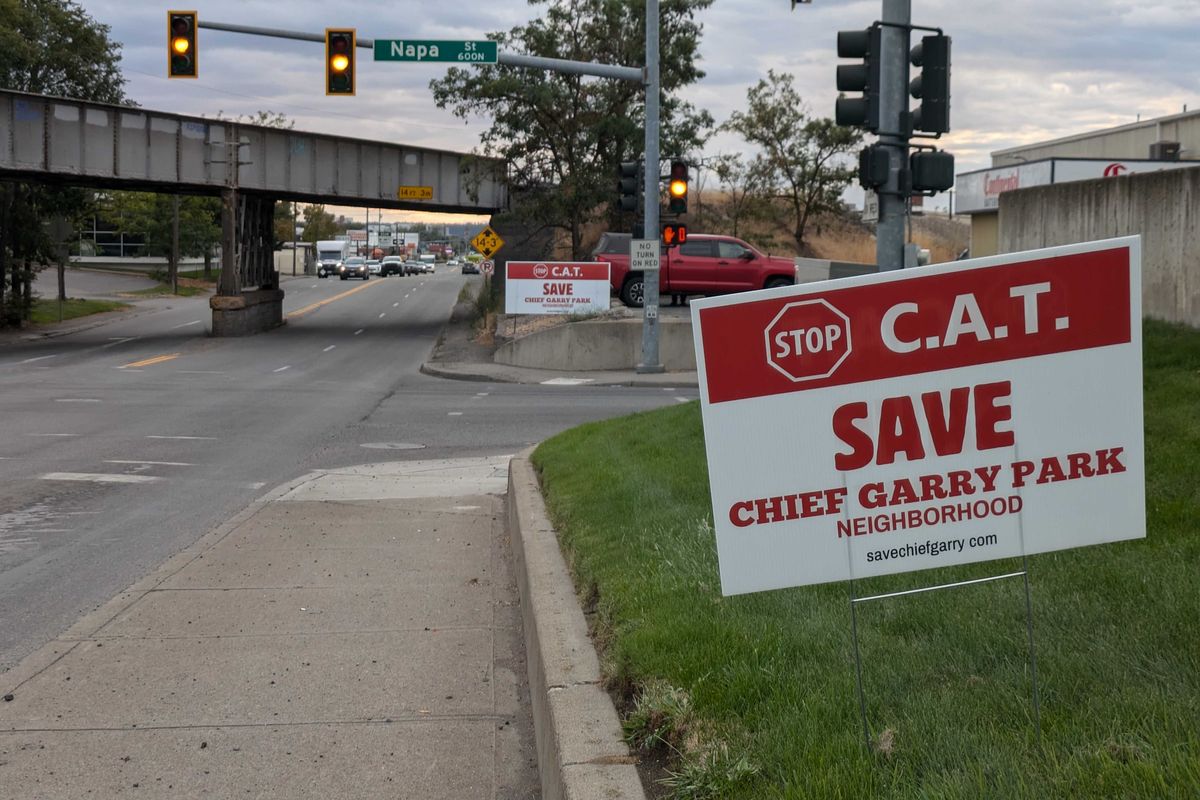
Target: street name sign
x,y
556,287
643,255
924,417
414,193
440,50
487,242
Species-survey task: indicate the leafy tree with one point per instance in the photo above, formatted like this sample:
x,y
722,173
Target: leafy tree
x,y
743,191
151,215
47,47
318,224
284,230
563,135
800,160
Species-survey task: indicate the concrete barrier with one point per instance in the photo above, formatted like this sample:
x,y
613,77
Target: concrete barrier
x,y
600,345
248,313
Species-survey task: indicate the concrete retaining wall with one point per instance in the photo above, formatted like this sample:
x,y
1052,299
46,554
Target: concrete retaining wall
x,y
600,344
1164,207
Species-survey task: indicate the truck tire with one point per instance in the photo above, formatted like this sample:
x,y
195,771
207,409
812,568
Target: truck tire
x,y
633,291
776,282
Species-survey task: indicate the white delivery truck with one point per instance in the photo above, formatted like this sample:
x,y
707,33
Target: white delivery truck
x,y
331,254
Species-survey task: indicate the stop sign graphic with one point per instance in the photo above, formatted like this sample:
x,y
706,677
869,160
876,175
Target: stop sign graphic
x,y
807,339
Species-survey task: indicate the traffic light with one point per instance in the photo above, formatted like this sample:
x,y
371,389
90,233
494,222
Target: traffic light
x,y
859,112
677,188
874,164
339,60
627,185
181,44
674,233
931,170
932,86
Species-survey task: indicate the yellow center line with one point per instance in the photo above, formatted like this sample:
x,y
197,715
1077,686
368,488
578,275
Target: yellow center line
x,y
299,312
156,360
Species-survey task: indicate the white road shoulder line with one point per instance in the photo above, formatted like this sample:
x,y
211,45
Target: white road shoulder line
x,y
681,399
98,477
155,463
77,400
200,372
187,324
190,438
37,358
281,369
327,349
116,340
52,434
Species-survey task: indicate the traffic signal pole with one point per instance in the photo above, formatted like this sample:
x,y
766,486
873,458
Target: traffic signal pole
x,y
650,357
893,103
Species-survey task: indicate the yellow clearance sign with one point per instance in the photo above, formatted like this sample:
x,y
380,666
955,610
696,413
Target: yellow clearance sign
x,y
415,193
487,242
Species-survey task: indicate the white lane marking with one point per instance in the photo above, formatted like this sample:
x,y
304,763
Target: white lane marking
x,y
315,285
113,341
141,461
98,477
360,330
395,304
669,389
200,372
77,400
406,296
189,438
381,316
567,381
281,369
38,358
482,394
123,369
455,414
327,349
187,324
52,434
256,485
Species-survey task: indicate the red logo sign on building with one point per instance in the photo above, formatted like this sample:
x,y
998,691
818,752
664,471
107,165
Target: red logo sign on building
x,y
807,339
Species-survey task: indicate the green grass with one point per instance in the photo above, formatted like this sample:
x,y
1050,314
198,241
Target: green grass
x,y
45,311
769,677
198,274
165,289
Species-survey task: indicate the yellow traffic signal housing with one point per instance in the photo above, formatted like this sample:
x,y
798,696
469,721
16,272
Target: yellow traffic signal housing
x,y
339,60
181,44
677,188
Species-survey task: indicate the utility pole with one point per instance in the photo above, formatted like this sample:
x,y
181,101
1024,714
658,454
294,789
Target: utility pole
x,y
650,358
175,244
893,108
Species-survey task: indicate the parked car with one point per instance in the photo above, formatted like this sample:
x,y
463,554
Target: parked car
x,y
470,268
373,266
704,264
355,267
391,265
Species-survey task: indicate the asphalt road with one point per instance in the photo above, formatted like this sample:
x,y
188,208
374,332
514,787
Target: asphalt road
x,y
124,443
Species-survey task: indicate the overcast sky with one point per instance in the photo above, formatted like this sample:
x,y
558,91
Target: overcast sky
x,y
1023,70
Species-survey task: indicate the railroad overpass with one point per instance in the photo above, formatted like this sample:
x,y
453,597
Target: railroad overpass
x,y
61,140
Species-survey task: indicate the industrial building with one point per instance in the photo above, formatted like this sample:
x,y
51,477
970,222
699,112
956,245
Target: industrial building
x,y
1168,142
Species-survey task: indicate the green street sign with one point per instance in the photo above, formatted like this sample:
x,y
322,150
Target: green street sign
x,y
463,52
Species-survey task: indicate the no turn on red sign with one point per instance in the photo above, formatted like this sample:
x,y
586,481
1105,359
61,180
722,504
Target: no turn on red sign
x,y
925,417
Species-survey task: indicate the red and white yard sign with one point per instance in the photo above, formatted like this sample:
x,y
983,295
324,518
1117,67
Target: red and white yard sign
x,y
556,287
925,417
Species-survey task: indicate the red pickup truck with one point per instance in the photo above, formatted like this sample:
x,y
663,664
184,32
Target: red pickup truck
x,y
704,264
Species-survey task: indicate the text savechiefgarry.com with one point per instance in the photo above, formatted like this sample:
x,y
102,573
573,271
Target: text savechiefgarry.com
x,y
931,548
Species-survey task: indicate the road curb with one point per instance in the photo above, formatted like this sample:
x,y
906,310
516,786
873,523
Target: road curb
x,y
581,753
465,372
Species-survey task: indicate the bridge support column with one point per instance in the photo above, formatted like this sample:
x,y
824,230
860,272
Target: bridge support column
x,y
248,298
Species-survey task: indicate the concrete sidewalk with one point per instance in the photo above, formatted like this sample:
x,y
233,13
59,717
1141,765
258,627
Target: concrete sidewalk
x,y
354,634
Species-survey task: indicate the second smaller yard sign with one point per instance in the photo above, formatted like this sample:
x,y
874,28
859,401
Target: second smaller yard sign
x,y
556,287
